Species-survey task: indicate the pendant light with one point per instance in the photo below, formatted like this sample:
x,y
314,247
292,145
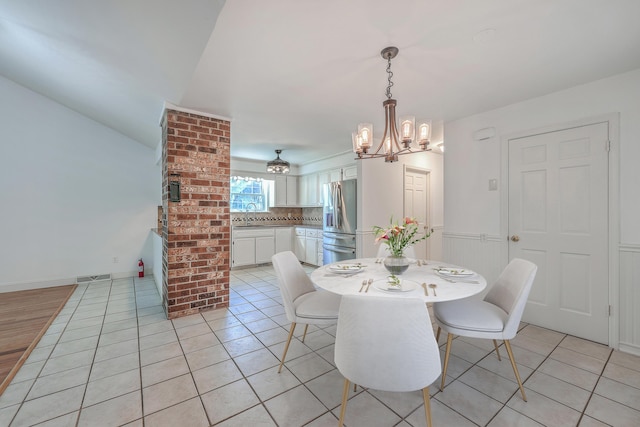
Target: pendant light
x,y
396,140
278,165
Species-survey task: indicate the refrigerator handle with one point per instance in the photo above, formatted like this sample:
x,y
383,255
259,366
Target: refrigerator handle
x,y
339,207
334,200
342,251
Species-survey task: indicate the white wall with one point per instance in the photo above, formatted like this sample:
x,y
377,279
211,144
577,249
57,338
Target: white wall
x,y
471,210
74,194
470,164
381,195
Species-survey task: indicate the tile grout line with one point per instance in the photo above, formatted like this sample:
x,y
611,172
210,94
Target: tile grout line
x,y
586,405
135,299
93,359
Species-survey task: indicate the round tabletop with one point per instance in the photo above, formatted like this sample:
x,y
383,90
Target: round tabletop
x,y
451,282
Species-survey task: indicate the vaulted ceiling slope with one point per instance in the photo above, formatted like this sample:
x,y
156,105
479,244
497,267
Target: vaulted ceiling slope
x,y
301,74
114,61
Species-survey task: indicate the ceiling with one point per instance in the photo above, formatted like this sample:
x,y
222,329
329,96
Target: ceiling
x,y
301,74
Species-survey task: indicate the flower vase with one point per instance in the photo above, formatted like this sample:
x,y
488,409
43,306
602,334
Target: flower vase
x,y
396,265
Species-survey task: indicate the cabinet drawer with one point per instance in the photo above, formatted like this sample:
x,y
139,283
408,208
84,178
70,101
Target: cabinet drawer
x,y
311,232
301,231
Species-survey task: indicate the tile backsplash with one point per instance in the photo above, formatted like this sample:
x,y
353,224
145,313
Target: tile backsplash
x,y
281,216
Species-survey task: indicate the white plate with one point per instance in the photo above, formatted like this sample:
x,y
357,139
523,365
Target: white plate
x,y
454,272
405,286
345,268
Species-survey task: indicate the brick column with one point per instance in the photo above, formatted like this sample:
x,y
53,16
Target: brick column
x,y
196,231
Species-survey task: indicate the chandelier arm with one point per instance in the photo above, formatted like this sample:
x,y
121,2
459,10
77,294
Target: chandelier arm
x,y
394,130
386,129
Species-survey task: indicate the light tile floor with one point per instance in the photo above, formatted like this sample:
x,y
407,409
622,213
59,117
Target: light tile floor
x,y
111,358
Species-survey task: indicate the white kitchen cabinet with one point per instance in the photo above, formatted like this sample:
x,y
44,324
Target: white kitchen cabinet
x,y
280,190
264,249
323,178
335,175
244,251
284,239
286,190
252,246
300,244
350,172
292,190
311,246
320,254
313,192
311,251
303,188
308,190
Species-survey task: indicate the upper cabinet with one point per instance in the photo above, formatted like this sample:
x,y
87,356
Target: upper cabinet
x,y
350,172
286,190
335,175
306,190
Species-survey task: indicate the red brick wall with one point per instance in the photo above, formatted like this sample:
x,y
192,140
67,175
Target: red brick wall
x,y
196,231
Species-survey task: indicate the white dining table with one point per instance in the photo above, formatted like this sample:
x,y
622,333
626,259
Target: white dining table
x,y
447,288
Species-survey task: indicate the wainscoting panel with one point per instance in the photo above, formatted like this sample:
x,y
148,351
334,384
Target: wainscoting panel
x,y
630,298
478,252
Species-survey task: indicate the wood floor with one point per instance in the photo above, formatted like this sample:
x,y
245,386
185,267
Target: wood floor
x,y
24,318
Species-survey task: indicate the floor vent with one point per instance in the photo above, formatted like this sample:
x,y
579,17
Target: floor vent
x,y
97,278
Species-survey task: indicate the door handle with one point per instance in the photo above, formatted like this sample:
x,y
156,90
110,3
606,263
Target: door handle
x,y
515,238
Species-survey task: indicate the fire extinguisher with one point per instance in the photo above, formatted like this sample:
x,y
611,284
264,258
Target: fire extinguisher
x,y
140,268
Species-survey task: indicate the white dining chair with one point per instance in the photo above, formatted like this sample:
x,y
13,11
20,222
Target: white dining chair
x,y
386,343
495,317
383,251
303,303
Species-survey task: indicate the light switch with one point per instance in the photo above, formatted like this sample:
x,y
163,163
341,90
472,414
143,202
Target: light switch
x,y
493,184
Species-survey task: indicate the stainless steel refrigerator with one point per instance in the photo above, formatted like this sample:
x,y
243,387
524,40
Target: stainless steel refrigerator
x,y
339,221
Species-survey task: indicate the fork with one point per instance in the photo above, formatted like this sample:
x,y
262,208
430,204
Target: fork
x,y
368,284
364,282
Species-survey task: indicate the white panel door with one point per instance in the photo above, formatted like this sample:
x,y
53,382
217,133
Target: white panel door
x,y
416,190
558,207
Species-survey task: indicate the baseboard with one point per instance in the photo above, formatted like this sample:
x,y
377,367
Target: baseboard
x,y
25,286
630,348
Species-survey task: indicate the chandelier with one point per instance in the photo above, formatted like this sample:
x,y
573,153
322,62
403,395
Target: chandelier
x,y
278,165
394,142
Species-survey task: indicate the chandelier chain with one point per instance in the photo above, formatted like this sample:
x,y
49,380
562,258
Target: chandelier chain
x,y
390,73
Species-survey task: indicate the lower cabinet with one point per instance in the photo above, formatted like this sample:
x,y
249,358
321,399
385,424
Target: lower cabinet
x,y
308,243
244,251
252,246
264,249
284,239
299,243
311,250
257,245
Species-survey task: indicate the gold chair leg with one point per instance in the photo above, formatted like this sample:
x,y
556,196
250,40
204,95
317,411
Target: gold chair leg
x,y
305,332
507,344
495,344
286,346
343,408
427,405
438,335
446,360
